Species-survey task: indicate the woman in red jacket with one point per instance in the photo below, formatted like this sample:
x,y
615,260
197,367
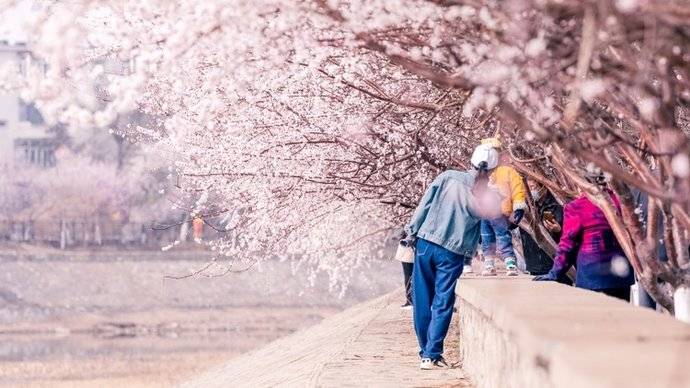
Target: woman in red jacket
x,y
588,242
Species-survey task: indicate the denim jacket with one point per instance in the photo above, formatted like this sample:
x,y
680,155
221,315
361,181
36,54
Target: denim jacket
x,y
444,214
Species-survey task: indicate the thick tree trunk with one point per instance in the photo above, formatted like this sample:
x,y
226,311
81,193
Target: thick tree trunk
x,y
87,234
184,230
63,235
97,236
143,238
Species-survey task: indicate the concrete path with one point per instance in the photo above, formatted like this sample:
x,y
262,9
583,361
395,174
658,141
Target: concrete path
x,y
371,344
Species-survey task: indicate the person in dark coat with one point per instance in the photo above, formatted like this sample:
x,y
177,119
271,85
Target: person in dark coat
x,y
550,213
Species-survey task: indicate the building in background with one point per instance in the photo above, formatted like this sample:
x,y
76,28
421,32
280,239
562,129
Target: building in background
x,y
70,187
24,136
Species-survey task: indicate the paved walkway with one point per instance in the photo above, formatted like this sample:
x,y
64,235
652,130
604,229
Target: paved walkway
x,y
371,344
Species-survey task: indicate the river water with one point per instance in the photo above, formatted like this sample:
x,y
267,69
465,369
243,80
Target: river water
x,y
116,320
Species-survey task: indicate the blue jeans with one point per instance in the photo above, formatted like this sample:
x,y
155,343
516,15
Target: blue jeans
x,y
496,236
436,270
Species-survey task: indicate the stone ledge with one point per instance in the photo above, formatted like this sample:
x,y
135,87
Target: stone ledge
x,y
519,333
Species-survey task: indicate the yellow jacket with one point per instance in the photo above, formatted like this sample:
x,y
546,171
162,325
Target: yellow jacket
x,y
510,186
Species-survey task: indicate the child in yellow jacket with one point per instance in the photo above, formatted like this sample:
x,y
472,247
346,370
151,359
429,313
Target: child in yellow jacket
x,y
496,233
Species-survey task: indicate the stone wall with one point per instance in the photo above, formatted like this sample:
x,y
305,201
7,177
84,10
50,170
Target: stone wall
x,y
518,333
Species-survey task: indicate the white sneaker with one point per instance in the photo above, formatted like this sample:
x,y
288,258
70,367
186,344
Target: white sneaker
x,y
489,271
429,364
511,267
406,306
467,269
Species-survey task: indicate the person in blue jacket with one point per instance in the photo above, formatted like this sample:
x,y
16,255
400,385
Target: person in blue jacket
x,y
445,230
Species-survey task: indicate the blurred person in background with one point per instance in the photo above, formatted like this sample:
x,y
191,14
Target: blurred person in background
x,y
197,228
405,255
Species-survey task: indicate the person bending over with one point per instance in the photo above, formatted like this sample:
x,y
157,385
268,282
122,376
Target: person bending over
x,y
587,241
444,230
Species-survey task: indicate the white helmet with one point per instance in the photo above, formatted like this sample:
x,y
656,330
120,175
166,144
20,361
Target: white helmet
x,y
485,153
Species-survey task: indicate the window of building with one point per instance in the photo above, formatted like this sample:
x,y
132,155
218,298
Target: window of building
x,y
29,112
39,152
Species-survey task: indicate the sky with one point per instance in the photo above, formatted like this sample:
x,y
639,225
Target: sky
x,y
12,19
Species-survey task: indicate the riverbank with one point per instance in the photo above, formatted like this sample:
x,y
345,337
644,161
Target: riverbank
x,y
152,349
104,322
33,252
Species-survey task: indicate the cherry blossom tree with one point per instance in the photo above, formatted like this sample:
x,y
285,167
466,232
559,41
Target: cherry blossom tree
x,y
311,127
79,190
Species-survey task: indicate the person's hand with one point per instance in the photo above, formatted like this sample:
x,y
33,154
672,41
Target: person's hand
x,y
544,278
551,226
564,279
408,241
517,215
